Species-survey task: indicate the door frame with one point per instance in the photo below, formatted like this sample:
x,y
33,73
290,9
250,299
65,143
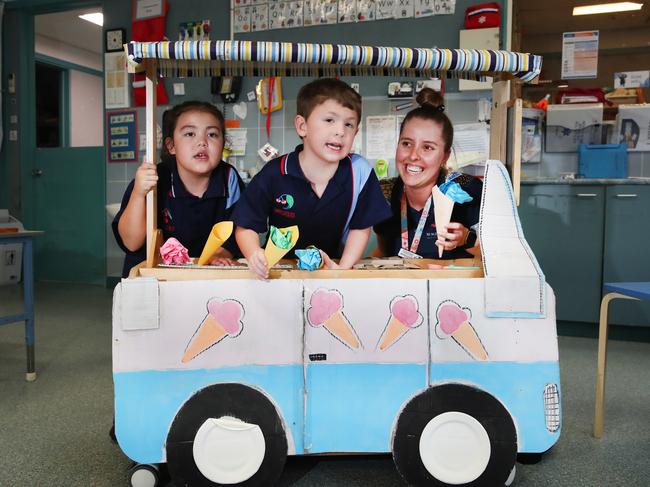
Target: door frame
x,y
27,86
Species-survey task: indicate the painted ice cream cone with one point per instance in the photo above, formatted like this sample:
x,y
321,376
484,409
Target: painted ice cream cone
x,y
223,319
442,207
326,310
218,235
454,321
404,316
276,248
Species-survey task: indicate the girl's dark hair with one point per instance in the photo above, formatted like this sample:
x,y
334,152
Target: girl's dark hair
x,y
170,118
432,108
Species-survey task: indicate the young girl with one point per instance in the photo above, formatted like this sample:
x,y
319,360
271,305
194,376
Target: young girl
x,y
423,148
196,189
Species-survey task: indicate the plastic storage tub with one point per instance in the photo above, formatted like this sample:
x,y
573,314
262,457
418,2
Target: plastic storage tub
x,y
602,161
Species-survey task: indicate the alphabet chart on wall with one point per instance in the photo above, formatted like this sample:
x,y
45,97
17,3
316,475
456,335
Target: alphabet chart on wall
x,y
259,15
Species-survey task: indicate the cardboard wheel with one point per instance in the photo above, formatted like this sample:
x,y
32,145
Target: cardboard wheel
x,y
226,434
143,475
455,435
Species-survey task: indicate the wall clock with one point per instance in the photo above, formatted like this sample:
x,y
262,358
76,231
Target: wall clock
x,y
114,39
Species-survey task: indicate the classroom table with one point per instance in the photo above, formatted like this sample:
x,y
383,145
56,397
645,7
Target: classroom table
x,y
615,290
25,237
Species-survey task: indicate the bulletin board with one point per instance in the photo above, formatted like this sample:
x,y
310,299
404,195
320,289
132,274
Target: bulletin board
x,y
122,135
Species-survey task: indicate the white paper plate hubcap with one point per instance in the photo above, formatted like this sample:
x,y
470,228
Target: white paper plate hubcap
x,y
227,450
455,448
143,478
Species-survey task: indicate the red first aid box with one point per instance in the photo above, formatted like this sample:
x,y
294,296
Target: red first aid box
x,y
483,15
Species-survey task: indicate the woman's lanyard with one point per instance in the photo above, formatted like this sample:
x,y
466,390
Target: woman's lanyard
x,y
407,252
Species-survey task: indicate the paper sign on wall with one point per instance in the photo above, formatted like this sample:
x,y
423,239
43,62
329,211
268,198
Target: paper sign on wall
x,y
380,137
580,54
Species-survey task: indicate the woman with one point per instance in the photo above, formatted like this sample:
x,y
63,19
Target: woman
x,y
423,149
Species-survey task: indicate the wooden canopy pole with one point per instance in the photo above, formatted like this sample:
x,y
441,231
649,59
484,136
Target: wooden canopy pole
x,y
499,120
152,157
515,169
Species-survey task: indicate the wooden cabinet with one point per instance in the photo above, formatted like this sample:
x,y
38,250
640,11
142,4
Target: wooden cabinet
x,y
585,235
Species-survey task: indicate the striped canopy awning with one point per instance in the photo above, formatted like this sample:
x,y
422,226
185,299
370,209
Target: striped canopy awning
x,y
258,58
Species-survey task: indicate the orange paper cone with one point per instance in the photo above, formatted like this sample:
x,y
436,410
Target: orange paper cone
x,y
218,235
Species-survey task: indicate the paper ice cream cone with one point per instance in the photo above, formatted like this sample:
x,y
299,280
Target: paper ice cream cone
x,y
467,338
209,332
273,253
442,208
393,332
218,235
340,327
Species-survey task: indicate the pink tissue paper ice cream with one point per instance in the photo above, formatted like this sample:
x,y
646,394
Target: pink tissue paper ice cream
x,y
404,315
326,310
173,252
223,319
454,321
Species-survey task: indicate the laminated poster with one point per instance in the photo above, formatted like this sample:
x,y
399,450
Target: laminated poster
x,y
318,12
259,17
580,54
385,9
366,10
444,7
424,8
381,137
404,9
347,11
241,20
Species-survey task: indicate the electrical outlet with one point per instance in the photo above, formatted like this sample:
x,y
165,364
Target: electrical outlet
x,y
179,89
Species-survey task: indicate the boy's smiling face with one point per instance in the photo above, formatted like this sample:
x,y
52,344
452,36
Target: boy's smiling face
x,y
328,132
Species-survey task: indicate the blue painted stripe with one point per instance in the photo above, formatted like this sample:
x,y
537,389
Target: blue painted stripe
x,y
351,407
519,386
147,402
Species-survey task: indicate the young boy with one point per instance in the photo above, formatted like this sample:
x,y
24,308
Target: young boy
x,y
333,196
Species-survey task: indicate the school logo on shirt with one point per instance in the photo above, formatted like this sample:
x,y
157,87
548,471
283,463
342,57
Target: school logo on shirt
x,y
167,220
286,200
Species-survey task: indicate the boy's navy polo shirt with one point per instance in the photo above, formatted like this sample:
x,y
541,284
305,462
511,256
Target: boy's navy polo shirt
x,y
465,213
281,195
184,216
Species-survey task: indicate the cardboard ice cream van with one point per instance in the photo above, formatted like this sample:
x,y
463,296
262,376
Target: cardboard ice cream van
x,y
453,372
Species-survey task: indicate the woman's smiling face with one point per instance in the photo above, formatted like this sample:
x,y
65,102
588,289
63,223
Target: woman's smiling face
x,y
420,152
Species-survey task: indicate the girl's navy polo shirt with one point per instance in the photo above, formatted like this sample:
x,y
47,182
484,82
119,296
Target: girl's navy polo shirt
x,y
281,195
184,216
465,213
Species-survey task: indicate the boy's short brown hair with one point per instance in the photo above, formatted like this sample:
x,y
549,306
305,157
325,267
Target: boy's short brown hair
x,y
319,91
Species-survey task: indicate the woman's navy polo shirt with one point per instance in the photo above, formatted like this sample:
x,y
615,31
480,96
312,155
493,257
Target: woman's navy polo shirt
x,y
465,213
185,216
281,195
